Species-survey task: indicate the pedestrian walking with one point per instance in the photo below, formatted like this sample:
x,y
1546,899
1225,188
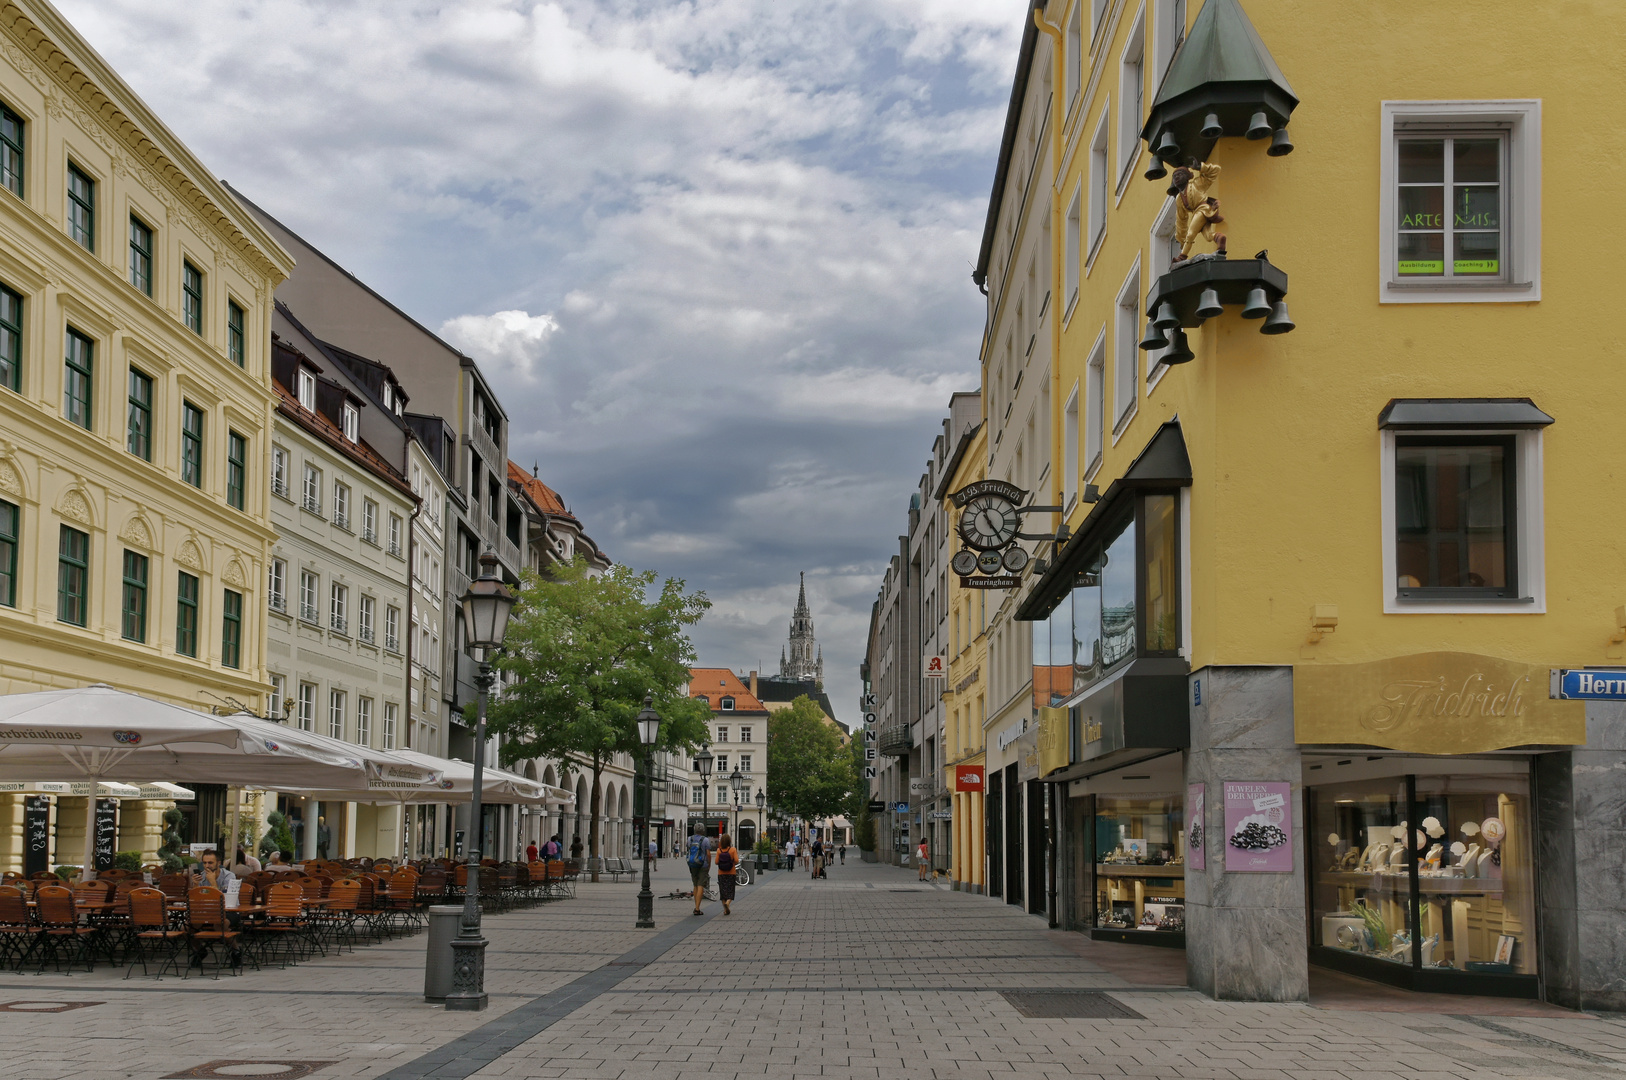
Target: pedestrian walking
x,y
843,850
576,846
655,853
923,857
700,856
728,862
531,852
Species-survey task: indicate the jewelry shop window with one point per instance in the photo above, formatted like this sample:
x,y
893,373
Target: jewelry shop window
x,y
1429,872
1140,874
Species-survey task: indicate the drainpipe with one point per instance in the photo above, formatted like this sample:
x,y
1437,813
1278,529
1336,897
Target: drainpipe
x,y
1057,245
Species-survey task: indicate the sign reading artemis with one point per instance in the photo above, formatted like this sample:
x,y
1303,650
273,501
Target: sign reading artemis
x,y
1432,703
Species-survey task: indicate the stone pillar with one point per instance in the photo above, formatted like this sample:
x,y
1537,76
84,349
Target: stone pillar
x,y
347,845
11,833
308,808
979,838
141,821
1245,931
1580,803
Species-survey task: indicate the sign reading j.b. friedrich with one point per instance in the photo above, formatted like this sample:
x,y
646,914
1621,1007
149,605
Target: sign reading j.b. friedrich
x,y
1433,703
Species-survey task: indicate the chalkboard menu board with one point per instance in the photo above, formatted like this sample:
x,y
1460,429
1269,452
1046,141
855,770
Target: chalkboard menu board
x,y
107,832
36,834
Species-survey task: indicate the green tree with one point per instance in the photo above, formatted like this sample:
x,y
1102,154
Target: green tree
x,y
584,652
810,774
856,807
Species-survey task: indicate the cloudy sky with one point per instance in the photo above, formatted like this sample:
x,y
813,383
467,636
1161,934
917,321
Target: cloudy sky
x,y
715,254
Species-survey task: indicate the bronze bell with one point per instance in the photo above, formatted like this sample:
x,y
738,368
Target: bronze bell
x,y
1179,350
1158,170
1208,304
1259,126
1258,305
1166,319
1211,127
1154,338
1167,148
1279,321
1280,144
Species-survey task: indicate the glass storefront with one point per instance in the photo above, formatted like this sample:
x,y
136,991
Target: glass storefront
x,y
1140,873
1428,872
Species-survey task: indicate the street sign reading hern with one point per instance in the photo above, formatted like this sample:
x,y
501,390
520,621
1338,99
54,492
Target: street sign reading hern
x,y
1596,684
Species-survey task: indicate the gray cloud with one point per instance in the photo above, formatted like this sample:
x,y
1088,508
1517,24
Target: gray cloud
x,y
715,254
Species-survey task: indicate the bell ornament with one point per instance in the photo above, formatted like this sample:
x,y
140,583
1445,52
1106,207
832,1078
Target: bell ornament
x,y
1259,127
1258,305
1280,144
1211,127
1208,304
1179,350
1279,322
1154,338
1166,319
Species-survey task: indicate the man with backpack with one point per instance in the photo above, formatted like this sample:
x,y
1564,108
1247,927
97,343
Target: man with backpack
x,y
700,848
818,858
553,849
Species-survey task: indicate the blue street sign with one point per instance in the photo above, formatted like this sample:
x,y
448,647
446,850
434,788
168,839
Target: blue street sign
x,y
1589,685
902,808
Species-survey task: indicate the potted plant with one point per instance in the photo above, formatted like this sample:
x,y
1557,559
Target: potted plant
x,y
763,851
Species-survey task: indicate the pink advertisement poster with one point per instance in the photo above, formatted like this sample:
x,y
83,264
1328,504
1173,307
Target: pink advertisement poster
x,y
1258,826
1196,824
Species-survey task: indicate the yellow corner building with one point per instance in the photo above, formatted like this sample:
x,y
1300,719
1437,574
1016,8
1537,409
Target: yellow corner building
x,y
965,695
135,402
1337,501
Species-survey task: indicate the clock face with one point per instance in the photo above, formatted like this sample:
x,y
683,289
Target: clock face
x,y
988,522
964,562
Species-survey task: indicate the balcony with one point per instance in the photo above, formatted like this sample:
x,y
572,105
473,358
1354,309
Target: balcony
x,y
278,602
365,633
338,623
896,741
395,548
342,520
369,534
312,504
392,643
307,613
279,487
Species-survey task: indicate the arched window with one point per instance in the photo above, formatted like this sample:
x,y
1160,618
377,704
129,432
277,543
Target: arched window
x,y
726,704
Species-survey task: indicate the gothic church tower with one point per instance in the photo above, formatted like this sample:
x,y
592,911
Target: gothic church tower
x,y
804,660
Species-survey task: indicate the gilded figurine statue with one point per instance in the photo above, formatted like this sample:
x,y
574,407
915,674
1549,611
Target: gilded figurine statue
x,y
1196,212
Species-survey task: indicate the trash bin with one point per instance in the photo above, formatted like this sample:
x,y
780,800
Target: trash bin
x,y
444,922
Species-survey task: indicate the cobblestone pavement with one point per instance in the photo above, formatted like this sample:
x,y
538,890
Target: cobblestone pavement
x,y
868,974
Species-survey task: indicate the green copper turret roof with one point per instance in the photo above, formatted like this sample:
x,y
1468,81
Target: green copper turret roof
x,y
1222,47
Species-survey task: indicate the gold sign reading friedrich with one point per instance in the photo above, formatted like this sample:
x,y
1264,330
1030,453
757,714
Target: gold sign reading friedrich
x,y
1433,703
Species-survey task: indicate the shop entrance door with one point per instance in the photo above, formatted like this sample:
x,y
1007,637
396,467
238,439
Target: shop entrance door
x,y
995,838
1013,837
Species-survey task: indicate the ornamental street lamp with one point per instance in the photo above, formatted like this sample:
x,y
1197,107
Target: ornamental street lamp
x,y
486,607
702,765
737,783
762,820
649,729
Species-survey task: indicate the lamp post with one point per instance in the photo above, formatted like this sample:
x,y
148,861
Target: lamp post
x,y
737,783
762,818
649,729
486,607
702,765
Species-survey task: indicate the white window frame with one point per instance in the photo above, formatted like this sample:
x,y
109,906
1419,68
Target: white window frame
x,y
369,521
278,701
1126,352
312,490
364,721
352,422
1095,409
1073,257
1521,120
1098,18
395,535
1075,56
1169,33
310,590
279,472
336,701
306,718
277,585
722,733
745,764
1531,568
392,628
390,709
1131,100
364,617
338,607
1161,237
341,505
306,390
1100,184
745,733
1069,450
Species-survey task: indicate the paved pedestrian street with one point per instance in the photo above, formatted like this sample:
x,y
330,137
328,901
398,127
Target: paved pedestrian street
x,y
868,974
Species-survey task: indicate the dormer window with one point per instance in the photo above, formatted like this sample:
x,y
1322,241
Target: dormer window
x,y
352,421
389,396
727,704
307,390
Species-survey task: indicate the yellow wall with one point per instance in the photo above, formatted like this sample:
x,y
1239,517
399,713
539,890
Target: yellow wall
x,y
968,667
75,109
1282,431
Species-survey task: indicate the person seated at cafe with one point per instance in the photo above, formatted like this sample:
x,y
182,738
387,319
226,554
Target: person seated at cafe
x,y
244,864
282,862
209,872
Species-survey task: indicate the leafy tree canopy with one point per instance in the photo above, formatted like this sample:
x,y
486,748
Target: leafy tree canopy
x,y
810,774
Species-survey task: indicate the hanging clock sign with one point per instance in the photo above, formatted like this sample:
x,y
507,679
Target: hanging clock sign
x,y
988,517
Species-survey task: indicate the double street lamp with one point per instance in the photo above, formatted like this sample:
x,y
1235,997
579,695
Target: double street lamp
x,y
486,607
702,765
649,730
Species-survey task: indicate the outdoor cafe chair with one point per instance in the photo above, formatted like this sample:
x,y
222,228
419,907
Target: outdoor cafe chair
x,y
402,894
285,919
149,923
432,887
18,930
174,886
60,927
208,931
368,908
338,918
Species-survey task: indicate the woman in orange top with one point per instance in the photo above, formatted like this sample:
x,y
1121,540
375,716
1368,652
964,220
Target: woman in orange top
x,y
728,861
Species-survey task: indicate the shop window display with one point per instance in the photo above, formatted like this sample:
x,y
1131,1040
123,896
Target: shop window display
x,y
1430,872
1140,864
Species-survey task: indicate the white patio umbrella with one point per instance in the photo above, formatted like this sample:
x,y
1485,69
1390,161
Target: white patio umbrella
x,y
454,782
96,733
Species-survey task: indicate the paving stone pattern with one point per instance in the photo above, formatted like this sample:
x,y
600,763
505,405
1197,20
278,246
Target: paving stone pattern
x,y
869,974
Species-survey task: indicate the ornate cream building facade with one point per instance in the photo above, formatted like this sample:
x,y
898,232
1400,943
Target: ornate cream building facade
x,y
135,404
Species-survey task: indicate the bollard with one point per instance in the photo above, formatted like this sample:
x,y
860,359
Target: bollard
x,y
444,922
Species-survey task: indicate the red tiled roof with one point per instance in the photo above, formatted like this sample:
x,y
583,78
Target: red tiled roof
x,y
547,500
715,683
362,452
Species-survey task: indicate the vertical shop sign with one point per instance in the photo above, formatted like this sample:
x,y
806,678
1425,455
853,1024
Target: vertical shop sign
x,y
107,828
1258,826
36,834
1196,826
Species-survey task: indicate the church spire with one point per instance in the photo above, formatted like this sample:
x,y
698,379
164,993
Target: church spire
x,y
802,660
